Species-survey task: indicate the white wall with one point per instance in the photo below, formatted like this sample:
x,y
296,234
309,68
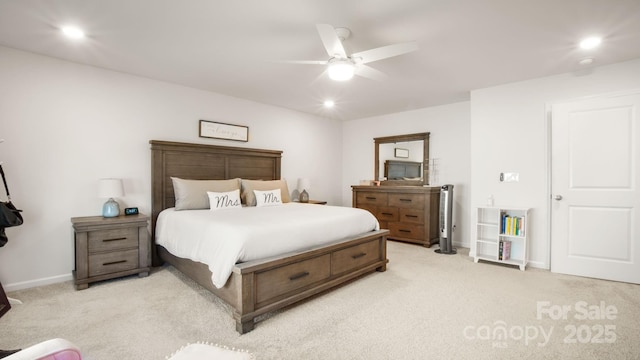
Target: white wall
x,y
67,125
449,143
509,133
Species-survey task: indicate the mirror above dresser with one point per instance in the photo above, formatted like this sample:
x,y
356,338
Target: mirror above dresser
x,y
402,159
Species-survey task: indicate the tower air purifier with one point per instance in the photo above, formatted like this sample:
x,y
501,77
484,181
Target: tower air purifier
x,y
446,220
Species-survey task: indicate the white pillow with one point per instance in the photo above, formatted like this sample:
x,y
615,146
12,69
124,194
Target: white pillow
x,y
224,200
192,194
268,198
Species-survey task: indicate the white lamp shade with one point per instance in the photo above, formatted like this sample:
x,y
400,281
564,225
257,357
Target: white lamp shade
x,y
110,188
303,184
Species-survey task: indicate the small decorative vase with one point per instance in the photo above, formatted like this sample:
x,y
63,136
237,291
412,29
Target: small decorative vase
x,y
304,196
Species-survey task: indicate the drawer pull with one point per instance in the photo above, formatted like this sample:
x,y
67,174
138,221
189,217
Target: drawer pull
x,y
412,216
116,239
405,200
114,262
388,214
358,256
404,231
299,275
370,197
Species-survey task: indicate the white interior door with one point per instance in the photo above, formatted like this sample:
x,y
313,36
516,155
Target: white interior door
x,y
595,201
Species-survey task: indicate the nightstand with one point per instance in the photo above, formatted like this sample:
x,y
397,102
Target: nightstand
x,y
317,202
107,248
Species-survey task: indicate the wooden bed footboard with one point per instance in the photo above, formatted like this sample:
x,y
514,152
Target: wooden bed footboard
x,y
258,287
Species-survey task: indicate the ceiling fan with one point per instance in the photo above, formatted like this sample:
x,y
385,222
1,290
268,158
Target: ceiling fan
x,y
342,67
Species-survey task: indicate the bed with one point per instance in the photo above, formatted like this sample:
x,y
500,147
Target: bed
x,y
259,286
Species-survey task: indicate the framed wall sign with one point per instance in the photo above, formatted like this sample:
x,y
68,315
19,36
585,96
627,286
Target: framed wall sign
x,y
217,130
401,153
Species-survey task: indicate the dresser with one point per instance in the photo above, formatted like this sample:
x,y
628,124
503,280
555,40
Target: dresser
x,y
410,213
107,248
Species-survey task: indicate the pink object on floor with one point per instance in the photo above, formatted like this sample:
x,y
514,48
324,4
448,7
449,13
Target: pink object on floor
x,y
54,349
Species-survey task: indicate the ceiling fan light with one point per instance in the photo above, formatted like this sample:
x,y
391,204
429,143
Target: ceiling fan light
x,y
590,42
341,70
73,32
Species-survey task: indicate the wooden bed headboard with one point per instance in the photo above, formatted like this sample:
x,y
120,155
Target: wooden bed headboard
x,y
203,162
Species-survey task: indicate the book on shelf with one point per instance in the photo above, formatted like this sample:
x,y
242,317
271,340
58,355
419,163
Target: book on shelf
x,y
504,249
512,225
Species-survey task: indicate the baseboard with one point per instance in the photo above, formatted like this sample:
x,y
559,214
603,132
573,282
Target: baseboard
x,y
460,244
533,264
37,282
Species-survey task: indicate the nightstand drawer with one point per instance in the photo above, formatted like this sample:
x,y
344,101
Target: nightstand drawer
x,y
112,239
110,262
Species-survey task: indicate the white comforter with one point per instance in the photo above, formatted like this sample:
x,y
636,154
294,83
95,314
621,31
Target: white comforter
x,y
222,238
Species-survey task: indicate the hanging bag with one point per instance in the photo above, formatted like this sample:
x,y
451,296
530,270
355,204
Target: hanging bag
x,y
9,215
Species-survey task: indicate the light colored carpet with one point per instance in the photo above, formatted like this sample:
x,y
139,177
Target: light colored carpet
x,y
425,305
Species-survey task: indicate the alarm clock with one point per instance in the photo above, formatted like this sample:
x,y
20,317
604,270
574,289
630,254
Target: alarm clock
x,y
131,211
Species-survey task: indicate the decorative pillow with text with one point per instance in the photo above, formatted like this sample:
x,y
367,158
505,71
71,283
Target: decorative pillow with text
x,y
268,198
248,186
224,200
192,194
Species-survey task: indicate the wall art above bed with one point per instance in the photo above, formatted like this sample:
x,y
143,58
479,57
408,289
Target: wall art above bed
x,y
218,130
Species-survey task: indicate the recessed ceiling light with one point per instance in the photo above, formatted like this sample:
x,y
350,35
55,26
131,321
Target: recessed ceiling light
x,y
329,103
73,32
590,42
587,61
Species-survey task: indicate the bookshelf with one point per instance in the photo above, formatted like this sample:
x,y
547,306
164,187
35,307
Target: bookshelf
x,y
501,235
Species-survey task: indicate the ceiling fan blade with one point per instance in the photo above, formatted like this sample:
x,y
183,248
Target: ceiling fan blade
x,y
331,41
384,52
370,73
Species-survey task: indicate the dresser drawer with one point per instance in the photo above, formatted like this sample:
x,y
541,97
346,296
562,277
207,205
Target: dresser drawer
x,y
370,208
290,277
387,213
112,239
406,230
355,257
371,198
414,216
406,201
110,262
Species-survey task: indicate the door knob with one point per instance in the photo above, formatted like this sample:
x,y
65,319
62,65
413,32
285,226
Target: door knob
x,y
558,197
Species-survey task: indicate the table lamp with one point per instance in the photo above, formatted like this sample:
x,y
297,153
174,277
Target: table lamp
x,y
110,188
303,185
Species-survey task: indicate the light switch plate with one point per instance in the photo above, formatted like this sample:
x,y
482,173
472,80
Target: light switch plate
x,y
511,177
